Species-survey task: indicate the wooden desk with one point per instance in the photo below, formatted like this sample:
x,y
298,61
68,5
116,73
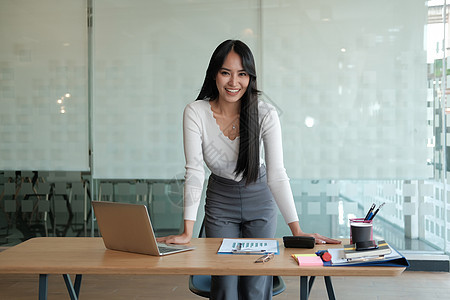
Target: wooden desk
x,y
59,255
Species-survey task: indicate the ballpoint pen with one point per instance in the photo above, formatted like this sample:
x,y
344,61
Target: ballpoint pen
x,y
248,251
378,209
369,212
365,258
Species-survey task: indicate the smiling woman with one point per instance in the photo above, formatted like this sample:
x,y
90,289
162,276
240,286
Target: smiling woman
x,y
241,201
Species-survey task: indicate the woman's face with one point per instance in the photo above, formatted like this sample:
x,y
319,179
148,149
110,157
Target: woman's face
x,y
232,80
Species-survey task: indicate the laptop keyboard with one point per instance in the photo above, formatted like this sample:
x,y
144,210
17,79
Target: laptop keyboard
x,y
163,249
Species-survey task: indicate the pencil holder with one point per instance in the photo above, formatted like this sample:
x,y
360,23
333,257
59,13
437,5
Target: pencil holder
x,y
360,230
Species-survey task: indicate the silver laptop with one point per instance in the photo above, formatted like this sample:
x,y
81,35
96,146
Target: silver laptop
x,y
127,227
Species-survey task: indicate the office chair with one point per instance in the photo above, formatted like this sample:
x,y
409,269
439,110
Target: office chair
x,y
201,284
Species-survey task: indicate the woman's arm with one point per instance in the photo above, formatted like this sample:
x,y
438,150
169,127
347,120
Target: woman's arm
x,y
183,238
277,178
193,153
194,177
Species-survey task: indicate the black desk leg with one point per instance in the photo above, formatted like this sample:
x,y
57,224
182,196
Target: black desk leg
x,y
74,291
43,286
329,286
311,282
78,284
304,288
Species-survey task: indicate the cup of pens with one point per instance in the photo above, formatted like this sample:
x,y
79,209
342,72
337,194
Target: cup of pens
x,y
361,230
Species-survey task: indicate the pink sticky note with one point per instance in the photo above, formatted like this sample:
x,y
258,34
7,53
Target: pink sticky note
x,y
308,260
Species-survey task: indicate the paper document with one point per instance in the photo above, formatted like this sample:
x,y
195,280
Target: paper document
x,y
246,246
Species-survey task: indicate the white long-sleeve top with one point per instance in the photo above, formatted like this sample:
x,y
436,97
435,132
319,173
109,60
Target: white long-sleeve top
x,y
205,142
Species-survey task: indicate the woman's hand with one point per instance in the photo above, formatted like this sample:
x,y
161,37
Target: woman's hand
x,y
320,239
183,238
175,239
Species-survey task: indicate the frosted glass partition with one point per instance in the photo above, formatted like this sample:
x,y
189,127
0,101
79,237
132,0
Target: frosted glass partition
x,y
43,85
150,58
350,81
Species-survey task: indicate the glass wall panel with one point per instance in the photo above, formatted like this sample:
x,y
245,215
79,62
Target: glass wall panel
x,y
150,58
349,80
43,85
360,87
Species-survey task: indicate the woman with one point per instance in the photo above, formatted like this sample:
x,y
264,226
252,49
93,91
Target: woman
x,y
225,129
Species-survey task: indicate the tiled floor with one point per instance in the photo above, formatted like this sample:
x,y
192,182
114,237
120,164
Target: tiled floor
x,y
410,285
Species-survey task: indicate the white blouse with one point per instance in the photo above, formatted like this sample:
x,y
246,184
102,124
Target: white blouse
x,y
205,142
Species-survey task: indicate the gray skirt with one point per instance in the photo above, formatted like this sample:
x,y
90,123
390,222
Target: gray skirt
x,y
234,210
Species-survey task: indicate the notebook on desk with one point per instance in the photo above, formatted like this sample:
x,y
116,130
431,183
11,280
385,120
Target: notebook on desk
x,y
127,227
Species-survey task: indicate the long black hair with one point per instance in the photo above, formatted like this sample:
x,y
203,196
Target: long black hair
x,y
248,162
